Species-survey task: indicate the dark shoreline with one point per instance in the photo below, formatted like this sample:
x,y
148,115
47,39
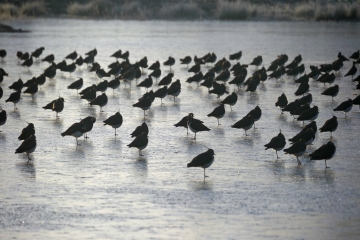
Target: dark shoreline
x,y
9,29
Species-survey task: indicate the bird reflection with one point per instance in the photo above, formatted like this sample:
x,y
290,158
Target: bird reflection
x,y
320,175
141,168
27,168
204,185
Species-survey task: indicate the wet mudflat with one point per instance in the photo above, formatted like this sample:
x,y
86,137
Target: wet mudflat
x,y
103,189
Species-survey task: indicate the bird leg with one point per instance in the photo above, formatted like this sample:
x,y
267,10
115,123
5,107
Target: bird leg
x,y
326,165
218,122
231,108
276,154
204,174
245,133
299,163
115,132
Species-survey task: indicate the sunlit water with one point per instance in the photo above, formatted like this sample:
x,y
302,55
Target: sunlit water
x,y
103,189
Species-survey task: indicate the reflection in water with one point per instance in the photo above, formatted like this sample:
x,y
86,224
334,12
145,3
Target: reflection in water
x,y
27,168
140,167
205,185
320,175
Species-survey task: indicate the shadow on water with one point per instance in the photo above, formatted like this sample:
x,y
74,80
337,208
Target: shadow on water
x,y
141,168
203,185
326,175
27,168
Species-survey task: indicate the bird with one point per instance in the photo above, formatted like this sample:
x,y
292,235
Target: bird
x,y
311,125
169,62
74,130
245,123
196,125
19,54
115,83
3,53
101,73
277,143
89,93
154,66
87,125
28,62
17,86
184,123
356,101
196,78
89,59
328,78
307,99
302,79
78,84
69,68
203,160
297,149
298,111
49,58
257,61
72,56
355,55
166,80
27,131
102,86
101,101
230,100
186,60
161,93
255,114
144,104
92,52
1,92
56,105
330,125
32,89
195,69
325,152
223,76
140,142
302,89
50,72
307,137
37,52
140,129
156,73
345,106
41,79
281,101
117,54
342,57
14,98
79,61
236,56
147,83
331,91
309,115
3,117
125,55
115,121
352,71
219,91
27,146
218,112
174,89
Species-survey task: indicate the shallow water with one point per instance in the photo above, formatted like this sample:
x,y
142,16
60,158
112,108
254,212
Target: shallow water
x,y
103,189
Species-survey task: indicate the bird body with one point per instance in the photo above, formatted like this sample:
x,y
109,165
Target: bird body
x,y
281,101
74,130
27,132
14,98
245,123
325,152
330,125
309,115
115,121
230,100
344,106
27,146
297,149
3,117
218,112
203,160
277,143
196,125
101,101
140,142
140,129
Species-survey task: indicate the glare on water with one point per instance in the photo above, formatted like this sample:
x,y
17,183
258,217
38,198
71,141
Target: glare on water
x,y
103,189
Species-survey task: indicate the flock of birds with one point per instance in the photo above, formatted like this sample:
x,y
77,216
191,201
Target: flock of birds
x,y
223,72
